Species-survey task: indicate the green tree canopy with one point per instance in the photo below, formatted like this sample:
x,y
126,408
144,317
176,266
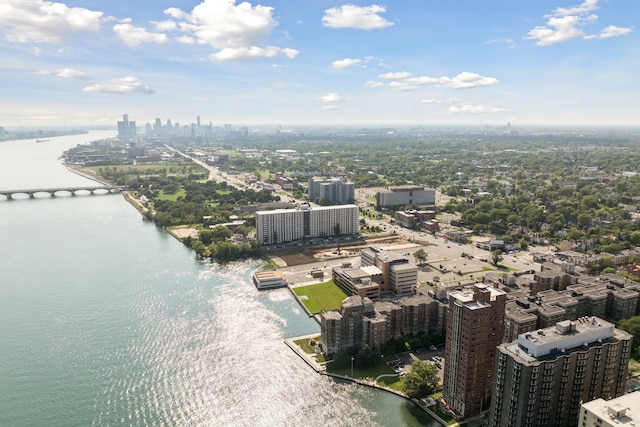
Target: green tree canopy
x,y
632,325
420,255
496,257
421,380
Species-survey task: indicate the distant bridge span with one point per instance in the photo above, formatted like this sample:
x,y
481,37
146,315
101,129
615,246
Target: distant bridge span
x,y
31,192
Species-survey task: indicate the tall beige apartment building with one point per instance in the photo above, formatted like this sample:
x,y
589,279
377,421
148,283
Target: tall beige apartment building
x,y
543,377
475,320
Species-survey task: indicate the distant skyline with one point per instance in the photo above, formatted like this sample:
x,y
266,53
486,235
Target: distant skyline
x,y
461,62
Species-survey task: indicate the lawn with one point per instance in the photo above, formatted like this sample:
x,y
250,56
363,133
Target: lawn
x,y
305,346
174,196
323,296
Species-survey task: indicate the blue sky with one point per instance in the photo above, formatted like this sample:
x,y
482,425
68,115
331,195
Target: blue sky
x,y
285,62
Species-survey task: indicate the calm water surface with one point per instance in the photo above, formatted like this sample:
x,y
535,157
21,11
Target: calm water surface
x,y
107,320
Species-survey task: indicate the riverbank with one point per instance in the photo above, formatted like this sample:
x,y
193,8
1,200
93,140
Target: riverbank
x,y
321,369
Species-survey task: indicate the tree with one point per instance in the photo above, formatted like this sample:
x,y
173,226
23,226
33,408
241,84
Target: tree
x,y
421,380
496,257
420,255
632,325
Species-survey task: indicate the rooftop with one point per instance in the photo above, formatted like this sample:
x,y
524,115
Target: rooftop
x,y
623,410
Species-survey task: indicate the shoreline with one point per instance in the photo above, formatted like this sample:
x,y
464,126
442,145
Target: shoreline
x,y
321,370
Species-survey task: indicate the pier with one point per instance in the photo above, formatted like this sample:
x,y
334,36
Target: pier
x,y
73,191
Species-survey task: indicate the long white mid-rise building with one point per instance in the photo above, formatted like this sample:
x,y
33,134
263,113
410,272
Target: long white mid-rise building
x,y
286,225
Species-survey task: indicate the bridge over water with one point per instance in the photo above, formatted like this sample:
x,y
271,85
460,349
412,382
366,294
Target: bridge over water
x,y
73,191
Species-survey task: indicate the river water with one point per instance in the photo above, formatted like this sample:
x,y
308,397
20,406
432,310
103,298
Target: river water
x,y
107,320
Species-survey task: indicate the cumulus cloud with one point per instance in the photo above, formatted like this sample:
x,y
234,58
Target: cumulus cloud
x,y
135,36
39,21
565,24
252,52
70,73
346,63
473,109
395,76
351,16
404,81
466,80
236,32
165,26
611,31
373,84
120,86
333,97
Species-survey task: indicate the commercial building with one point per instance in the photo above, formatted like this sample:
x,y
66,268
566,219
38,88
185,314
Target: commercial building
x,y
621,411
398,275
474,327
286,225
268,279
336,191
126,128
406,195
543,377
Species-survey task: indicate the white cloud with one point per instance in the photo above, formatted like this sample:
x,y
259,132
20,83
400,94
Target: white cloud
x,y
69,73
252,52
566,24
395,76
346,63
330,108
236,32
585,7
186,40
120,86
611,31
463,80
439,101
474,109
38,21
423,80
351,16
373,84
134,36
165,26
333,97
467,80
402,86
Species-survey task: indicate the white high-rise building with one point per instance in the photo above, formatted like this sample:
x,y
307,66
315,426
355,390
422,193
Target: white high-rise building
x,y
286,225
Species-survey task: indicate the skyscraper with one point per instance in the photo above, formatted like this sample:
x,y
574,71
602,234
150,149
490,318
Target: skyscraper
x,y
126,128
543,377
475,320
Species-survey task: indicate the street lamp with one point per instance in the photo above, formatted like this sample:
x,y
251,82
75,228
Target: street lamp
x,y
351,366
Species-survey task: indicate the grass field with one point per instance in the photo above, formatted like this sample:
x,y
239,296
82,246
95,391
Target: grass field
x,y
173,197
323,296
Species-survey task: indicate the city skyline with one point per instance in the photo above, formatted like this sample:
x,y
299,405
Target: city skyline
x,y
81,63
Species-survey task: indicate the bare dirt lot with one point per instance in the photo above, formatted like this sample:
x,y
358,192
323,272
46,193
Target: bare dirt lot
x,y
308,255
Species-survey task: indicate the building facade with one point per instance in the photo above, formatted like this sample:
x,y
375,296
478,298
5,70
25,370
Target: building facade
x,y
336,191
474,326
286,225
543,377
406,195
126,128
359,321
398,275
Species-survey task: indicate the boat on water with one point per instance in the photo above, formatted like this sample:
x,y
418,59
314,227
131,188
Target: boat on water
x,y
42,140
